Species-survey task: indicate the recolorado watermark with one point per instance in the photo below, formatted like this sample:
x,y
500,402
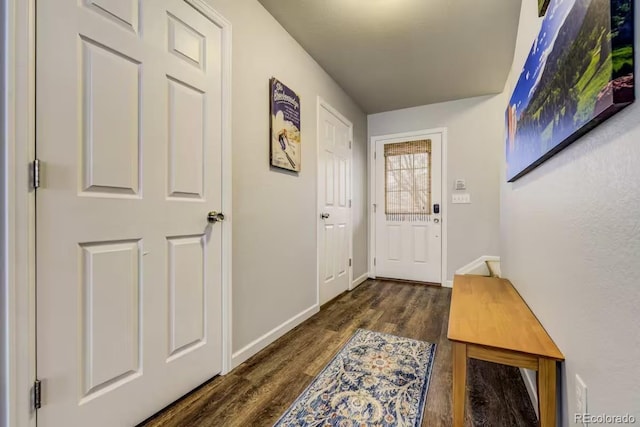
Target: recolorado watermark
x,y
604,419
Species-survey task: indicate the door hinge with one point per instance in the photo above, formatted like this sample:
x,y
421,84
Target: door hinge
x,y
35,173
349,262
349,202
37,394
350,145
375,208
374,261
375,155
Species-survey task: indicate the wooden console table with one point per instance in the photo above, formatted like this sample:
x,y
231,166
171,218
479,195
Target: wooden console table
x,y
490,321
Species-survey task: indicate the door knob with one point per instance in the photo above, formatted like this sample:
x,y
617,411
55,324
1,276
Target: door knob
x,y
214,217
324,215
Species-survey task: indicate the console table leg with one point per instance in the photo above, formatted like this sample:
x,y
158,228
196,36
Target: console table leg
x,y
459,382
547,392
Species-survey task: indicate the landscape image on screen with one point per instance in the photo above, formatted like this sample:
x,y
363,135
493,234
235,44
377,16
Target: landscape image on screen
x,y
578,73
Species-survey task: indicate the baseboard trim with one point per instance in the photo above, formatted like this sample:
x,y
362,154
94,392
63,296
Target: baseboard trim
x,y
529,378
255,346
447,284
477,263
359,280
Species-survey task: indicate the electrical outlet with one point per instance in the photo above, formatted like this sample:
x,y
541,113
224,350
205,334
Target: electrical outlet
x,y
461,198
581,397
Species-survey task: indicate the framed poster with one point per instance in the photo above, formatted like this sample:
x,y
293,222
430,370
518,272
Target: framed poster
x,y
284,126
580,71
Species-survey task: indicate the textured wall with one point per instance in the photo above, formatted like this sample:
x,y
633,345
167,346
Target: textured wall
x,y
274,213
570,237
475,128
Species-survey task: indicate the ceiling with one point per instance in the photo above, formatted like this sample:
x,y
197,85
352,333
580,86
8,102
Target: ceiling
x,y
391,54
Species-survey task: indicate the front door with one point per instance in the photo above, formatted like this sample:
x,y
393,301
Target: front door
x,y
128,268
408,173
334,177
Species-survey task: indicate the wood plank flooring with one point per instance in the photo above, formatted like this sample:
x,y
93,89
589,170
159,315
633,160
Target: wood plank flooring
x,y
261,389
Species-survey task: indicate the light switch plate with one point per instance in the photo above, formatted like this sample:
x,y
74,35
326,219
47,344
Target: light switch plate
x,y
460,184
459,198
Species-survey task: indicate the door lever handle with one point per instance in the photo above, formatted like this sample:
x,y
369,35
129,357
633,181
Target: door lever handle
x,y
324,215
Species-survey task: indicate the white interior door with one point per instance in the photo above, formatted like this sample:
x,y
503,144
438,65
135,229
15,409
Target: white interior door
x,y
334,193
408,192
128,268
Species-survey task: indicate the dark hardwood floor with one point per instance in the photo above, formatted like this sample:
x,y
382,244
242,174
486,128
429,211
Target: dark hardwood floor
x,y
261,389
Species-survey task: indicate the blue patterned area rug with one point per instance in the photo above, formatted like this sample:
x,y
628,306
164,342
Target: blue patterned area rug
x,y
375,380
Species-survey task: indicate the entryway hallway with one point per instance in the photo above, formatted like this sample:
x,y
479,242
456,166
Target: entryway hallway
x,y
259,391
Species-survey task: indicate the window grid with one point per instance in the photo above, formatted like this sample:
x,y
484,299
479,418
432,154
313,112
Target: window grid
x,y
408,181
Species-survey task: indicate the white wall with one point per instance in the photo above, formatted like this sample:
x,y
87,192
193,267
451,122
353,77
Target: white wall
x,y
274,212
570,239
475,128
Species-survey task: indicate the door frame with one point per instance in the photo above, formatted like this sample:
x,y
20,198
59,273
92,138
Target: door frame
x,y
227,189
17,206
403,137
18,213
321,103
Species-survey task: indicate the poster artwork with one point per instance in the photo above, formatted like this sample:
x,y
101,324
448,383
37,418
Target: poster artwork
x,y
285,127
580,72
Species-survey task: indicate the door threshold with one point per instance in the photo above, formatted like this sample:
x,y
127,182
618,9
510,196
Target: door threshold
x,y
411,282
